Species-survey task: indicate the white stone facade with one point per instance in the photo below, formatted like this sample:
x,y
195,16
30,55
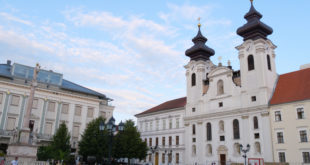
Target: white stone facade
x,y
52,106
168,128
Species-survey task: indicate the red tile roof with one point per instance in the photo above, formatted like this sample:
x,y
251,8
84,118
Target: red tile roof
x,y
176,103
294,86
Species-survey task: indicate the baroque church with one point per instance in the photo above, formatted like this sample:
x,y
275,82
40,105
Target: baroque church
x,y
223,108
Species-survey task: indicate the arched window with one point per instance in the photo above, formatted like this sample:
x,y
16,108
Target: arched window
x,y
193,79
221,126
236,129
194,129
250,62
255,122
194,150
209,149
220,87
268,62
237,148
209,132
257,148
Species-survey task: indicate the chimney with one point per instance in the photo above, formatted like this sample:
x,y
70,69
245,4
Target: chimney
x,y
8,62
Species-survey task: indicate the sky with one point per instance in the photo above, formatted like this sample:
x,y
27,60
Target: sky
x,y
134,51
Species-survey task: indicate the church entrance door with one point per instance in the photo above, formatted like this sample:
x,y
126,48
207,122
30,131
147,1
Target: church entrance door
x,y
223,159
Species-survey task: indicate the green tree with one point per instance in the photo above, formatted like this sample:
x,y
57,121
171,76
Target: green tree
x,y
128,143
94,142
59,148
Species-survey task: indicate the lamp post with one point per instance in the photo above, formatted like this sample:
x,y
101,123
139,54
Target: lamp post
x,y
247,149
111,128
169,153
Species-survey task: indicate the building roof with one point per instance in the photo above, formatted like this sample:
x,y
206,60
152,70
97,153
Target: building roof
x,y
254,28
171,104
5,71
294,86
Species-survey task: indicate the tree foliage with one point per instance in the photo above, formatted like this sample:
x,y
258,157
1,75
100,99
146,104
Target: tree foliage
x,y
94,142
128,143
59,148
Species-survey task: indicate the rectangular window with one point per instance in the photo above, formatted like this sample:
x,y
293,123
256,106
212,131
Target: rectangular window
x,y
300,113
177,158
256,135
170,158
163,158
146,126
177,123
193,109
157,125
170,124
90,112
1,97
15,100
303,136
76,131
194,140
170,140
177,140
282,157
220,104
163,141
35,103
48,128
156,141
65,109
78,110
253,98
277,115
10,123
280,137
150,141
306,157
222,138
151,126
51,106
164,124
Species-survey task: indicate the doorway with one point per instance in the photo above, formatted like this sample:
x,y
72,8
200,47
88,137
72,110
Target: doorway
x,y
223,159
156,158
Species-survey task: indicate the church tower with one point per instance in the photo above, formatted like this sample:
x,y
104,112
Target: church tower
x,y
257,59
196,71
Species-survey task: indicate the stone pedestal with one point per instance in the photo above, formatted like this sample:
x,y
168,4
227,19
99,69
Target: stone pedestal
x,y
22,148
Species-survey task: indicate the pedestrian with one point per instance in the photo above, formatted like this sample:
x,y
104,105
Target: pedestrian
x,y
15,161
2,161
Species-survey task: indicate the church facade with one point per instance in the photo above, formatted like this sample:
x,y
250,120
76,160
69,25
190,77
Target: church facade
x,y
223,108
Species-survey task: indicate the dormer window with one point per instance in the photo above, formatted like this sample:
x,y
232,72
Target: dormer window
x,y
220,87
193,79
251,62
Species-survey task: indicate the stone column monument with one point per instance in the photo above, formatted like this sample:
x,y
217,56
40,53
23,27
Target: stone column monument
x,y
22,144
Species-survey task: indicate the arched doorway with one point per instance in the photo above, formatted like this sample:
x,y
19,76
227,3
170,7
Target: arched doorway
x,y
222,154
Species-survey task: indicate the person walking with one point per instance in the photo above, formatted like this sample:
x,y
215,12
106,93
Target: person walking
x,y
15,161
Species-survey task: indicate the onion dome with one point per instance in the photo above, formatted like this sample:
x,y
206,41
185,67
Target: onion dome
x,y
199,51
254,28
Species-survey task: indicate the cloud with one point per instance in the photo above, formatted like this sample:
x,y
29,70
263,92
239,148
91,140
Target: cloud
x,y
10,17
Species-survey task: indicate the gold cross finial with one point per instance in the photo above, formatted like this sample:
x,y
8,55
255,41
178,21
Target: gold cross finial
x,y
199,21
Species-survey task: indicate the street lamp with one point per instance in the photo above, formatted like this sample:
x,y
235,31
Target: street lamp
x,y
111,128
244,151
153,149
169,154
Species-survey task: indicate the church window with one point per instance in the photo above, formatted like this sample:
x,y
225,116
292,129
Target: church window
x,y
257,148
221,126
220,87
300,113
237,148
209,132
250,62
193,79
268,62
253,98
194,129
277,115
236,129
255,122
209,149
194,150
